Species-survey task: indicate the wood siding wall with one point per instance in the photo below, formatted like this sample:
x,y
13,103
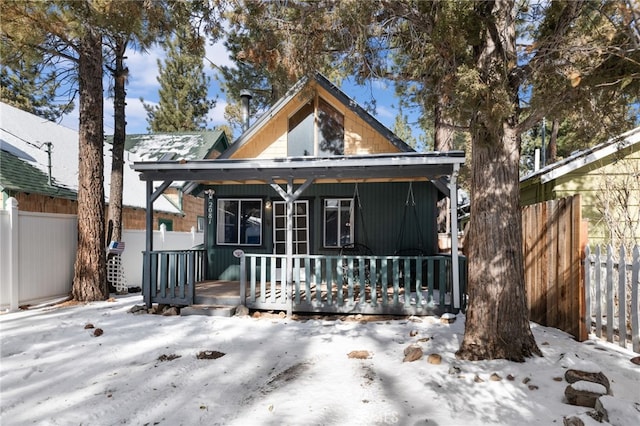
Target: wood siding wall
x,y
554,238
132,218
271,141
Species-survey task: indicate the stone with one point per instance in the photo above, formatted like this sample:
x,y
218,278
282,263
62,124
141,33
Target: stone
x,y
572,376
412,353
573,421
170,311
434,359
495,377
359,355
454,369
617,411
138,309
242,311
448,318
583,393
413,333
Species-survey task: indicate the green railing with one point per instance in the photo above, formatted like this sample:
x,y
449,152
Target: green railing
x,y
170,276
352,284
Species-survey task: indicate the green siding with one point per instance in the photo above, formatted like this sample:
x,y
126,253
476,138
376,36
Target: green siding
x,y
383,209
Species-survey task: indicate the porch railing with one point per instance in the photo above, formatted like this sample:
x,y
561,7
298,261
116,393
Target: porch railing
x,y
170,276
354,284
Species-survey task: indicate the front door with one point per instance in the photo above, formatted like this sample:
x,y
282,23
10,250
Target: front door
x,y
300,230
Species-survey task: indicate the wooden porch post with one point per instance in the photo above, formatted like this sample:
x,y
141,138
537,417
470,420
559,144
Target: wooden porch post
x,y
148,246
453,208
146,268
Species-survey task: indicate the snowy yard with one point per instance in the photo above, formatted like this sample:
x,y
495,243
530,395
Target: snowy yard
x,y
145,370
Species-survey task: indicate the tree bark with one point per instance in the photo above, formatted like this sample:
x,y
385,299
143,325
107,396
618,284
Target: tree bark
x,y
119,137
497,320
89,281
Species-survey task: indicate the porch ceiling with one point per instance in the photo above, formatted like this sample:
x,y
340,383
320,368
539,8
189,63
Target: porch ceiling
x,y
380,167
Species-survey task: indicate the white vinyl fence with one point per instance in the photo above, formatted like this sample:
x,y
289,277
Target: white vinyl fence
x,y
38,250
611,295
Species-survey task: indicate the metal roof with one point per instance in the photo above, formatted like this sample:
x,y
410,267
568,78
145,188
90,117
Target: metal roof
x,y
378,167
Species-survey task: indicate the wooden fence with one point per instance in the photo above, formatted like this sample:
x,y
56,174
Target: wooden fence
x,y
554,238
611,291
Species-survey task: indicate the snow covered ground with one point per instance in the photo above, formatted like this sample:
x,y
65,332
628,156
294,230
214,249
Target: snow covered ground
x,y
144,370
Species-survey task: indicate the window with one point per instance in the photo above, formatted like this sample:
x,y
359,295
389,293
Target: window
x,y
239,222
200,224
338,222
168,223
303,133
330,130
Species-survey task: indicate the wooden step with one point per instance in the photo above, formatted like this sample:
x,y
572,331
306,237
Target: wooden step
x,y
209,310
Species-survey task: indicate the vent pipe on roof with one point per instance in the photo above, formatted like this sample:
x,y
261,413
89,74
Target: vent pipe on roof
x,y
245,95
49,144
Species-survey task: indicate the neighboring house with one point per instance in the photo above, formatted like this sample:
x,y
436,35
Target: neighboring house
x,y
607,177
314,179
39,167
177,146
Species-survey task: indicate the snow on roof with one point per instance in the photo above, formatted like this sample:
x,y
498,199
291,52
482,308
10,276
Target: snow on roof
x,y
585,157
26,136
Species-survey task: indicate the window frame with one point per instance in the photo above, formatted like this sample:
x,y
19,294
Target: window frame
x,y
221,208
338,224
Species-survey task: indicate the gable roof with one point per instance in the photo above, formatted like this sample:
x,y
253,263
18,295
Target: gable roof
x,y
335,92
25,161
183,145
585,157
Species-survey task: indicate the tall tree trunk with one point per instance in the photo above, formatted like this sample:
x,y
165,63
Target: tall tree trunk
x,y
89,281
442,141
497,323
119,136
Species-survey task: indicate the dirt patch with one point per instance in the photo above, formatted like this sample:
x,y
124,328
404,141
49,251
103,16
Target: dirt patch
x,y
210,355
289,374
170,357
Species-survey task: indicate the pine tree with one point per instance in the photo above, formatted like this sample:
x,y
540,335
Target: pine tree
x,y
71,33
183,104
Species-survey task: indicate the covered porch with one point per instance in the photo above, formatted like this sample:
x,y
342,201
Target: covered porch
x,y
344,283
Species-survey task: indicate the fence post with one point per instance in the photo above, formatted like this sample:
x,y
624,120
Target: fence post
x,y
598,282
622,298
635,284
587,289
610,298
14,254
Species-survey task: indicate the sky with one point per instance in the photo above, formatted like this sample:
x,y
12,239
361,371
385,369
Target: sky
x,y
98,364
143,83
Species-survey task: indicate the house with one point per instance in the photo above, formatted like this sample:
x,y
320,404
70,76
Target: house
x,y
39,164
607,177
315,207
